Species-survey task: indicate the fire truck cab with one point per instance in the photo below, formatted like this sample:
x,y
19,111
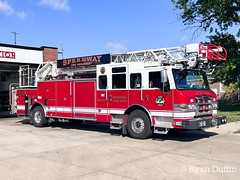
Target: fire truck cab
x,y
148,95
141,92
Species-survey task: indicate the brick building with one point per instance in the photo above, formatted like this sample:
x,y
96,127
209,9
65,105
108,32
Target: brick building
x,y
14,56
220,90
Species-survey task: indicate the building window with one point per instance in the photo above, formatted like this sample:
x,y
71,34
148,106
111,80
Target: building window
x,y
222,87
102,82
136,81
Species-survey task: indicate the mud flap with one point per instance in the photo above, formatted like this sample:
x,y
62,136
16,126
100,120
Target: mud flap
x,y
27,105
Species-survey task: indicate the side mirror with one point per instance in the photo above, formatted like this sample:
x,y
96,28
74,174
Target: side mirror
x,y
164,78
164,81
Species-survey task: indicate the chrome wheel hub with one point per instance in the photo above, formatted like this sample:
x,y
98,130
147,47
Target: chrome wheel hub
x,y
138,125
37,117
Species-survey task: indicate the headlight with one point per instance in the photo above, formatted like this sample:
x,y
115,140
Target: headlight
x,y
180,107
214,105
185,107
192,107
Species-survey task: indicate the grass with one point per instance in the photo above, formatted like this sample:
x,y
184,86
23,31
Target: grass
x,y
237,131
230,109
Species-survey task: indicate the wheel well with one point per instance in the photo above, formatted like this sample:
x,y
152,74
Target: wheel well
x,y
140,107
35,105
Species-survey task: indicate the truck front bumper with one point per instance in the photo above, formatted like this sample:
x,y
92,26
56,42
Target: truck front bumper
x,y
203,123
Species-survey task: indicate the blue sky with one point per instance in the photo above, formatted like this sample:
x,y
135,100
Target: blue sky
x,y
89,27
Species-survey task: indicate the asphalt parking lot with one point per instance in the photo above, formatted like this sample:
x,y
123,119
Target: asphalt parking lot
x,y
83,151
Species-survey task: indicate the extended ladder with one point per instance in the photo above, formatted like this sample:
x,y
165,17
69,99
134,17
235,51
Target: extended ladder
x,y
191,54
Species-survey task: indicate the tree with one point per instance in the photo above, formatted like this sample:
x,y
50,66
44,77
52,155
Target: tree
x,y
209,15
231,69
205,14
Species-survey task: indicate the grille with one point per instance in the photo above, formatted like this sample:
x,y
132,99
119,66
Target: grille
x,y
204,105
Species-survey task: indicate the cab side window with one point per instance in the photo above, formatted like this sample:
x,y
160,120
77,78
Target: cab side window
x,y
136,81
119,78
102,82
155,79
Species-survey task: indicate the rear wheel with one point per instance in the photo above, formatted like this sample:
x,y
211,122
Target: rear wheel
x,y
38,117
138,125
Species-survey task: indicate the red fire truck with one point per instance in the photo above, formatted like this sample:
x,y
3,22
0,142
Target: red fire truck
x,y
141,92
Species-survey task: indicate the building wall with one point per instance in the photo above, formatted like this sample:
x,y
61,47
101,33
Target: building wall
x,y
219,89
216,88
50,54
25,54
20,55
13,56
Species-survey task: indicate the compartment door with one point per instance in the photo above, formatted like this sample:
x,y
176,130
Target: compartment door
x,y
84,104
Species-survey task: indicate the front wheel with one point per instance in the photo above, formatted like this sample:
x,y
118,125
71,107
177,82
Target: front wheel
x,y
138,125
38,117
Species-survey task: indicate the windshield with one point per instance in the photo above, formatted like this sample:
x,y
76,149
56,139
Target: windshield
x,y
190,79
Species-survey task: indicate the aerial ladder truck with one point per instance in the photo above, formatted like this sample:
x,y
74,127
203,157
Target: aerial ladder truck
x,y
141,92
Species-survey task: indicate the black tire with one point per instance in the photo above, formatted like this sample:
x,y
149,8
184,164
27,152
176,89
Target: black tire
x,y
38,117
138,125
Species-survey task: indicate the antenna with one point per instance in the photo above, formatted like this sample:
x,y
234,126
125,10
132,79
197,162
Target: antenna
x,y
15,36
61,49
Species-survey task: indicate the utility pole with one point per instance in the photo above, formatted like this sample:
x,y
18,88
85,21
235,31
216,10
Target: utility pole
x,y
238,95
15,37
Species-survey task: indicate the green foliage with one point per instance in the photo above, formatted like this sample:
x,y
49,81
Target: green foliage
x,y
205,13
230,109
232,116
233,87
231,69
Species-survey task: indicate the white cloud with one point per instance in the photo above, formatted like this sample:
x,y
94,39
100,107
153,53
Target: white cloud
x,y
9,10
6,8
22,15
55,4
116,47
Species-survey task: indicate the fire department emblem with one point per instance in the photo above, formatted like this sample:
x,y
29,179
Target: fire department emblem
x,y
160,101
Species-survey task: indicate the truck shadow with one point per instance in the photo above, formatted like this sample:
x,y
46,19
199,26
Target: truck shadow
x,y
98,127
182,136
